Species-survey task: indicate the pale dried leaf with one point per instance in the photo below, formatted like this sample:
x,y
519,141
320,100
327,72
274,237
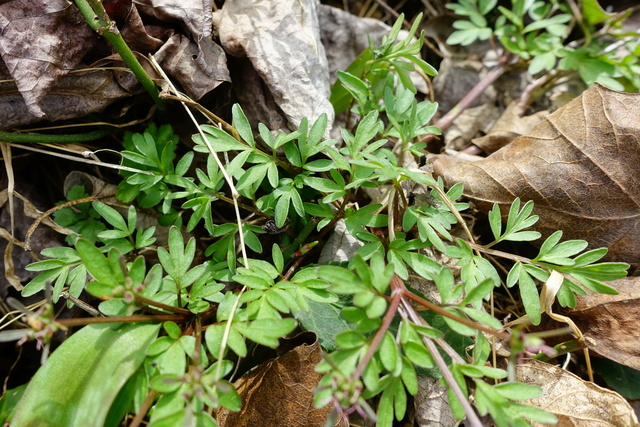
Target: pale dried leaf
x,y
345,36
196,14
470,123
508,127
199,68
93,186
9,269
576,403
610,322
42,40
280,392
580,167
282,41
432,405
341,245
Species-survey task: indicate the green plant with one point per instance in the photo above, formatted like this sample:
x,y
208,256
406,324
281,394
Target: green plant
x,y
216,304
540,33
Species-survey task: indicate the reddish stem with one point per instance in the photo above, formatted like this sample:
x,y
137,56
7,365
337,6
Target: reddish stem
x,y
377,339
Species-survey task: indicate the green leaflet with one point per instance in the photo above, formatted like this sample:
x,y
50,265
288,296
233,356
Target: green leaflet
x,y
81,379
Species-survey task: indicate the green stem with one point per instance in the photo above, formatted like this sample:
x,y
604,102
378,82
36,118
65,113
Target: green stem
x,y
96,16
54,139
82,321
298,241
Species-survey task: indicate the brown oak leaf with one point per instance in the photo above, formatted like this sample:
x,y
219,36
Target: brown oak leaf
x,y
581,167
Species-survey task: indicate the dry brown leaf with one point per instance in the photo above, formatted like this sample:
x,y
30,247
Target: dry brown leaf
x,y
508,127
75,95
432,405
198,67
456,77
580,167
280,392
138,37
42,40
575,402
610,322
196,14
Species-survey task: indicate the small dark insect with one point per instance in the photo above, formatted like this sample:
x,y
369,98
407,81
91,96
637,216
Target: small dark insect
x,y
271,227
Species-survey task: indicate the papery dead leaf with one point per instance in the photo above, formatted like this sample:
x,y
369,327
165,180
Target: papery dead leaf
x,y
282,41
470,123
345,36
610,322
137,35
341,245
432,405
280,392
75,95
580,167
199,68
196,14
508,127
576,403
42,40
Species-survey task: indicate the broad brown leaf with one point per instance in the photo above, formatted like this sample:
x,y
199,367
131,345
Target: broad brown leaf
x,y
280,392
575,402
610,322
581,167
75,95
42,40
196,14
199,67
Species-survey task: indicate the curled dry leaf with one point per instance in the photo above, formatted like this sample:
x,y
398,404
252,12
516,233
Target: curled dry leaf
x,y
196,14
42,40
280,392
610,322
575,402
76,95
140,38
199,67
580,167
282,41
508,127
